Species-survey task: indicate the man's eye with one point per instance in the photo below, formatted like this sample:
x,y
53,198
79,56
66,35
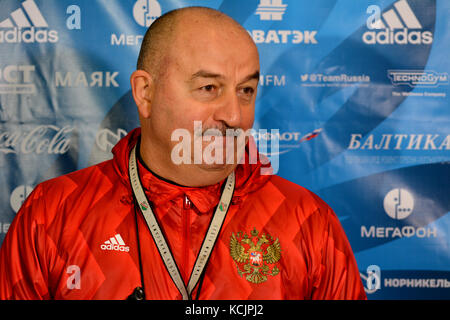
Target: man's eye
x,y
248,90
208,88
207,92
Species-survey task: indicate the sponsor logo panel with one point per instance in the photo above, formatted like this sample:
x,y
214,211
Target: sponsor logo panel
x,y
17,79
271,10
385,148
274,10
18,196
398,25
49,139
27,24
426,83
82,79
398,204
338,80
144,13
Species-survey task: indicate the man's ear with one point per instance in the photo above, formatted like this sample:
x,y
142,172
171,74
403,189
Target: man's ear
x,y
142,88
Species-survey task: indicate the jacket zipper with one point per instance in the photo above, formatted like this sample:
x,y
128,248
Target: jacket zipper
x,y
186,226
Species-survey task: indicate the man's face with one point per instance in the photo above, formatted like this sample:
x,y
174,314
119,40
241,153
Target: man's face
x,y
210,76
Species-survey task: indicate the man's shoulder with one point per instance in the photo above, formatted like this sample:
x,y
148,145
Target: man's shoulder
x,y
299,204
295,192
89,180
296,198
80,176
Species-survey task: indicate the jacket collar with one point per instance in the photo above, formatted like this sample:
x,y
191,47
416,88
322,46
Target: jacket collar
x,y
159,190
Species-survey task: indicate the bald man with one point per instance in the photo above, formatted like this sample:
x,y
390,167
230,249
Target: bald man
x,y
196,64
146,225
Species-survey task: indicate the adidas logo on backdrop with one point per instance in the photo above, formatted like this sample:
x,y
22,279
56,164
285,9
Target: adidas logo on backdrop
x,y
398,25
27,26
115,243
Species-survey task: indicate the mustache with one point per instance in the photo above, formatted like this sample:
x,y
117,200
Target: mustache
x,y
219,131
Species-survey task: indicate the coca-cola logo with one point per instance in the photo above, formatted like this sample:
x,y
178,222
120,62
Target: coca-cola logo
x,y
48,139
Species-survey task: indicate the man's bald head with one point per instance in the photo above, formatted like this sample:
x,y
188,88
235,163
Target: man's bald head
x,y
160,35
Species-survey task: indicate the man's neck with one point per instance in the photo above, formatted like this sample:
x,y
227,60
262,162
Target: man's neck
x,y
142,162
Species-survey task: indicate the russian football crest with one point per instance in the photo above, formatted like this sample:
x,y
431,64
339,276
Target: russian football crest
x,y
256,255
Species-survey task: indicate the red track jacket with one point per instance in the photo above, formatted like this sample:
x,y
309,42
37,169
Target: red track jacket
x,y
75,237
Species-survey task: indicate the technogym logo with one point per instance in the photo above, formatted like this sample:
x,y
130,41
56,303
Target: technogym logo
x,y
398,25
26,25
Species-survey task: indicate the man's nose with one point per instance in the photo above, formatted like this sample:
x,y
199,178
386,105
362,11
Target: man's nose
x,y
229,111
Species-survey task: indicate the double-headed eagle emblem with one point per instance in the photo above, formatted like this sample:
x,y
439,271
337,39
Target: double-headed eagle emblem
x,y
255,257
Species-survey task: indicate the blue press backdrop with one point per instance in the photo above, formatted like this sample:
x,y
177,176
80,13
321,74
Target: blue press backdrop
x,y
357,89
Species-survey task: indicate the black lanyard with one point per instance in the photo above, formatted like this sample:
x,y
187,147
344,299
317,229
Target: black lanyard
x,y
158,236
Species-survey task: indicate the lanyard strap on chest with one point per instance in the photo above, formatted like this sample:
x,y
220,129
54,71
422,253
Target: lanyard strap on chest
x,y
160,240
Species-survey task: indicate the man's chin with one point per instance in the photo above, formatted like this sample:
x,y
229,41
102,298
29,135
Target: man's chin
x,y
216,167
200,175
